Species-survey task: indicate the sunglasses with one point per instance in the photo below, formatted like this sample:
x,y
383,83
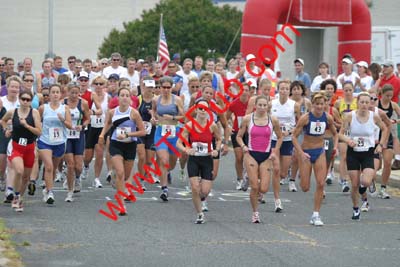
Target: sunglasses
x,y
29,81
115,59
83,80
25,99
166,87
374,98
98,84
104,64
171,67
45,95
71,62
158,87
195,86
202,109
2,65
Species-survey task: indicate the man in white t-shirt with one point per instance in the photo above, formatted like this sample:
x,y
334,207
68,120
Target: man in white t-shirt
x,y
186,74
348,74
132,74
115,66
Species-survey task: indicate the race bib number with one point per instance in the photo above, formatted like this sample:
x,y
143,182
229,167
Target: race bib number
x,y
22,141
362,144
124,131
168,129
326,144
97,121
73,134
56,134
147,126
317,128
200,149
239,120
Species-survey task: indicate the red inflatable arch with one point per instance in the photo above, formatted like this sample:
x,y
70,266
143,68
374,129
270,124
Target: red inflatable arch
x,y
261,17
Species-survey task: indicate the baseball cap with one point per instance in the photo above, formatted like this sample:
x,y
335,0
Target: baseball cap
x,y
362,64
140,60
347,60
114,76
250,56
149,83
388,63
300,60
83,74
252,82
176,55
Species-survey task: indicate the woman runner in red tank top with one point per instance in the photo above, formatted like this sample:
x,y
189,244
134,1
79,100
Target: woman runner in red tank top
x,y
201,153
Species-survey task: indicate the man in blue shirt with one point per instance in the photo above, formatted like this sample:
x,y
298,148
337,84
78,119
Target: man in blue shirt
x,y
302,76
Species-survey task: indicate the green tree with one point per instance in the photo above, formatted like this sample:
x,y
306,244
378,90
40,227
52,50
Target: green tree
x,y
192,28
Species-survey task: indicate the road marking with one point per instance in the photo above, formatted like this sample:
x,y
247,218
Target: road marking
x,y
220,198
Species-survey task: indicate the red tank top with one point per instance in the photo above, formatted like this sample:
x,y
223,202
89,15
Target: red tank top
x,y
204,138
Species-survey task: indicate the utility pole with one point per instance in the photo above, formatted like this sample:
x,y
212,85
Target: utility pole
x,y
50,52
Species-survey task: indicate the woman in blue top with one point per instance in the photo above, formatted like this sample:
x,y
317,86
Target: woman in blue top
x,y
124,121
51,144
167,111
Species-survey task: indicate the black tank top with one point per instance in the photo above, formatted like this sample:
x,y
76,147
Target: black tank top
x,y
388,111
144,109
19,132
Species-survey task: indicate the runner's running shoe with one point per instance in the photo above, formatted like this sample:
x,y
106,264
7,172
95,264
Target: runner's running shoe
x,y
256,217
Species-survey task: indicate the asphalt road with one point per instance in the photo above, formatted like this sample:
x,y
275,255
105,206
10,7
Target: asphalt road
x,y
163,234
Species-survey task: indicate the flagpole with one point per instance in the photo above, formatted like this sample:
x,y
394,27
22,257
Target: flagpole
x,y
159,36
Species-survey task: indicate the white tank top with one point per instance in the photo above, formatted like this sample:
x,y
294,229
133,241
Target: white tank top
x,y
97,121
363,134
285,115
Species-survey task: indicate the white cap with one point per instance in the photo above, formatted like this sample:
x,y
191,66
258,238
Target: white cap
x,y
149,83
250,56
300,60
252,82
83,74
140,61
347,60
362,64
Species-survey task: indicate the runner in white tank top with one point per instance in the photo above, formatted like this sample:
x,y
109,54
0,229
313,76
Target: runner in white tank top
x,y
361,142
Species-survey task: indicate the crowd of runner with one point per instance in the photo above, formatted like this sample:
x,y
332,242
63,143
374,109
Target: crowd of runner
x,y
56,120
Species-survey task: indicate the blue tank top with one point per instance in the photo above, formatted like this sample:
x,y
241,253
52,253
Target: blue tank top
x,y
316,126
127,125
54,131
35,102
170,109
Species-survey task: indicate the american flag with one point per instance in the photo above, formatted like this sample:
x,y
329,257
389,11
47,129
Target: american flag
x,y
163,54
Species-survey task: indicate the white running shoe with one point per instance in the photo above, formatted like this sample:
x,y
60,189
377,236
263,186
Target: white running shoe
x,y
97,183
292,186
316,220
58,177
204,206
69,197
156,179
256,217
239,184
77,186
383,194
50,198
278,205
365,206
200,218
85,172
44,192
14,203
284,181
